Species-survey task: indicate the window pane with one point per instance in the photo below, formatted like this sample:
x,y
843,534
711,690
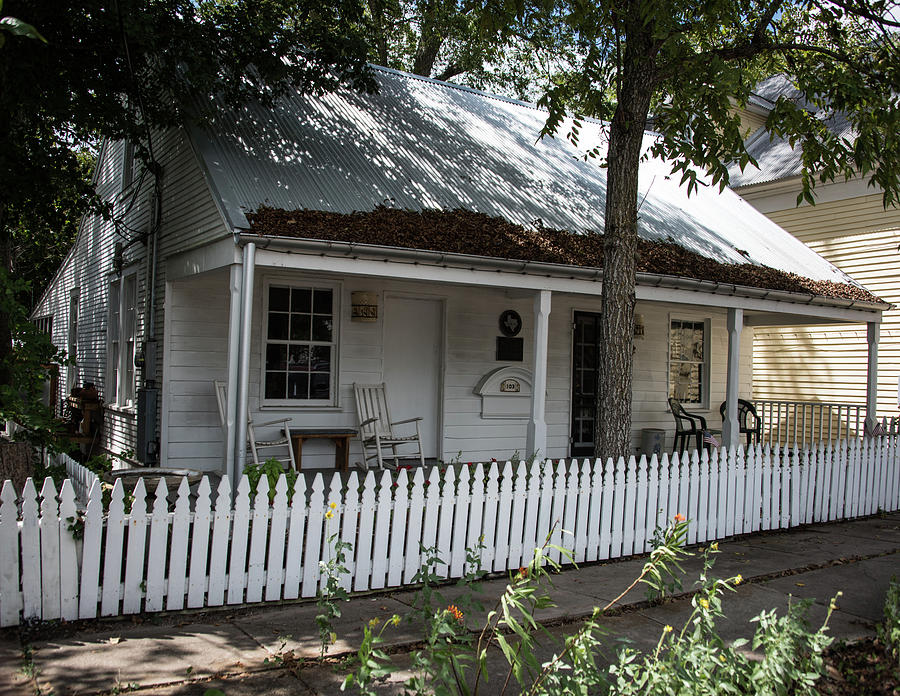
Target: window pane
x,y
279,299
300,327
321,359
299,359
301,299
276,357
319,386
276,383
278,326
298,385
321,328
322,301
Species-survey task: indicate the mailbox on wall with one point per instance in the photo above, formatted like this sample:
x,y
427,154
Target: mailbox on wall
x,y
505,393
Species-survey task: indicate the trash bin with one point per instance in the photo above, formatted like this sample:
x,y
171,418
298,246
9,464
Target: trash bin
x,y
652,440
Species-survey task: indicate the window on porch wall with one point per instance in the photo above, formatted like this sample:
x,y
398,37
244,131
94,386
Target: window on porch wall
x,y
688,361
300,344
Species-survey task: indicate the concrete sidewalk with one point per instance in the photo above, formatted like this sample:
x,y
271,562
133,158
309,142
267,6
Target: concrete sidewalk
x,y
261,649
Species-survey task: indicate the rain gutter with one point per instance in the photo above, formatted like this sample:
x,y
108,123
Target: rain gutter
x,y
538,268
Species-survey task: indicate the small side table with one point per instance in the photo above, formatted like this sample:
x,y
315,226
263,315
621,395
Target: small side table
x,y
340,437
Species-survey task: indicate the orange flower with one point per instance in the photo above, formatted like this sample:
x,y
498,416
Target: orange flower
x,y
680,518
523,572
454,611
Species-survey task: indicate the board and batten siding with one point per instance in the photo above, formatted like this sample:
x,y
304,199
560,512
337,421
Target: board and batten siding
x,y
197,349
189,217
829,363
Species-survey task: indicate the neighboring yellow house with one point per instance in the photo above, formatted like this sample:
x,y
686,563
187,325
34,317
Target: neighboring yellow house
x,y
848,226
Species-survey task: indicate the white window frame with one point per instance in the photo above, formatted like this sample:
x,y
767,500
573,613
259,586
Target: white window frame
x,y
121,341
334,373
703,404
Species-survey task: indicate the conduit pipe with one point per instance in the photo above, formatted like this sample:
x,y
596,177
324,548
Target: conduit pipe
x,y
240,444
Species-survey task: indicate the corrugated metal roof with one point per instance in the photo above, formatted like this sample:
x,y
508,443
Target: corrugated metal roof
x,y
421,144
776,157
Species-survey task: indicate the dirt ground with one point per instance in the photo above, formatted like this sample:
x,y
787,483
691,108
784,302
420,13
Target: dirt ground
x,y
862,668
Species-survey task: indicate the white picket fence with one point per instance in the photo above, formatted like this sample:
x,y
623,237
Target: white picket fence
x,y
204,552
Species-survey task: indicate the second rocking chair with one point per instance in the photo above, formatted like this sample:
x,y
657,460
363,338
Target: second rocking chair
x,y
376,429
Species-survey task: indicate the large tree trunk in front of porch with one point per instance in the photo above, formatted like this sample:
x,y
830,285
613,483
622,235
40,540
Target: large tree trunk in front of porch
x,y
612,431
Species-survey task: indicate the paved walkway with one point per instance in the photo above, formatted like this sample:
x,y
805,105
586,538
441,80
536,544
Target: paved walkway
x,y
238,650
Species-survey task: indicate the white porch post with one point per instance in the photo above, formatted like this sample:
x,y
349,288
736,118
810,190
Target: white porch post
x,y
536,440
873,332
243,381
731,430
234,346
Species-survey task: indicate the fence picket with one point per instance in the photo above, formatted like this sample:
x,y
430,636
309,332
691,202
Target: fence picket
x,y
517,519
489,520
175,588
197,573
366,526
594,510
628,519
618,513
156,554
475,536
674,484
432,503
277,537
652,517
240,528
662,502
259,530
582,505
313,551
414,526
10,597
559,501
218,553
92,543
49,528
350,516
606,511
460,523
333,515
537,509
398,529
722,495
134,551
504,509
445,521
112,552
693,497
68,553
703,497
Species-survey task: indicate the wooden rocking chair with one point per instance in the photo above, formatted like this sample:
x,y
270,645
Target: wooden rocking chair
x,y
376,429
279,448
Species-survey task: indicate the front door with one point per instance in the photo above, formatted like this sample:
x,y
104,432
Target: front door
x,y
585,344
413,363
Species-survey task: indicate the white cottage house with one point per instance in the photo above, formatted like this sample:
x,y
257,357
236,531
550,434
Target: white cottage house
x,y
189,286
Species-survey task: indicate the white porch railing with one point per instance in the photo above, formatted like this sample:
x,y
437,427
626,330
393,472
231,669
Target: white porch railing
x,y
204,552
800,423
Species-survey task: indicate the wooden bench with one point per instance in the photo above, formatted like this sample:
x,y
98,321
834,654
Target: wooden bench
x,y
340,437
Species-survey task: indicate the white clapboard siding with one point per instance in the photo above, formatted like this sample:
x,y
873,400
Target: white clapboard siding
x,y
141,556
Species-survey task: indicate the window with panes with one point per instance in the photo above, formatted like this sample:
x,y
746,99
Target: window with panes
x,y
300,344
121,340
688,361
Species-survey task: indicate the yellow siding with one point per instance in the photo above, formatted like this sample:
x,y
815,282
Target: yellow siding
x,y
750,122
829,363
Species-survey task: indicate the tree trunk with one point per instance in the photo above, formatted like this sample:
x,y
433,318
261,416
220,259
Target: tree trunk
x,y
5,328
612,431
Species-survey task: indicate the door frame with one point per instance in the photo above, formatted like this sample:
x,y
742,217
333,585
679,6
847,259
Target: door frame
x,y
442,352
575,311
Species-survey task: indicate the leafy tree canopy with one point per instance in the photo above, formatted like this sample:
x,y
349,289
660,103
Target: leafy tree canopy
x,y
689,64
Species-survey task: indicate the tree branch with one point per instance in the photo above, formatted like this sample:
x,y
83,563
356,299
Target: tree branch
x,y
864,13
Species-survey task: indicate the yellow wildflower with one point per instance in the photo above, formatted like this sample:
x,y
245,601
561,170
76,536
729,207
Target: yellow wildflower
x,y
703,602
373,622
668,629
722,658
395,620
714,546
739,579
332,505
329,515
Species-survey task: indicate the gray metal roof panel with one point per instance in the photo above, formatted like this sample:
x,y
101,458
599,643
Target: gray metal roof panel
x,y
421,144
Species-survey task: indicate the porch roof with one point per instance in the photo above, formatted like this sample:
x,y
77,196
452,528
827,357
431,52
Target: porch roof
x,y
424,145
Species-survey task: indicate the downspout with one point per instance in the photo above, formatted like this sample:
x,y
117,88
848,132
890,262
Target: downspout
x,y
231,382
243,393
